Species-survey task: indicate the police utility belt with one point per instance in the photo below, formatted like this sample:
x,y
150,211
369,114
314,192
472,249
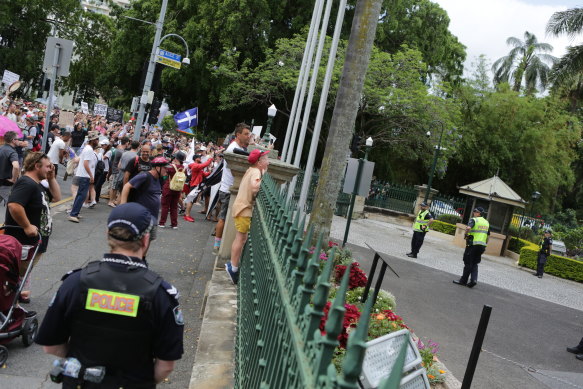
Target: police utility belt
x,y
71,367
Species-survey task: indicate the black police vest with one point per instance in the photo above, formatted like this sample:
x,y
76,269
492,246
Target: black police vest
x,y
118,342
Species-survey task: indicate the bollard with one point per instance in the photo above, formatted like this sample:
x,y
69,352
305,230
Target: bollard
x,y
477,347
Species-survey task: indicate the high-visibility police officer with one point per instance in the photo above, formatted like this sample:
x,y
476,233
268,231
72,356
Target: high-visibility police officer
x,y
420,228
476,236
117,323
546,246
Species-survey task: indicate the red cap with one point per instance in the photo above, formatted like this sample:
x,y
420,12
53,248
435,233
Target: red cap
x,y
255,155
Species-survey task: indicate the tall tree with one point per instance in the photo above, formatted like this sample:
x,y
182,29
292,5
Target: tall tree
x,y
526,62
358,53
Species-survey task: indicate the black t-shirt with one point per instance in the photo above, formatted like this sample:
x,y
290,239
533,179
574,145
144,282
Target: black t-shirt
x,y
134,167
7,155
35,199
167,331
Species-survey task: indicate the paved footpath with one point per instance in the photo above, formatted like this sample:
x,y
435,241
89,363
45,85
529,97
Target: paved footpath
x,y
532,321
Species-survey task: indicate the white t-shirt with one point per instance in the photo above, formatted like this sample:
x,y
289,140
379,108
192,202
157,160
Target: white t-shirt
x,y
55,150
86,155
227,179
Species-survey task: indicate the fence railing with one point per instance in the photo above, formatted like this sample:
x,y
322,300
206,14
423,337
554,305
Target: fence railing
x,y
282,295
447,205
395,197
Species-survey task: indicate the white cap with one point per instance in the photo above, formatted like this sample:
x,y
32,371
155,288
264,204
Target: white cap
x,y
104,142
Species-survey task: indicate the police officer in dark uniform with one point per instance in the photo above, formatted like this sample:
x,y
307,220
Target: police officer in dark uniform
x,y
420,228
476,237
546,246
117,323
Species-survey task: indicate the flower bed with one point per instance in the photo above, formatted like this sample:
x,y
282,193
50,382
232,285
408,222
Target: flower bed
x,y
383,319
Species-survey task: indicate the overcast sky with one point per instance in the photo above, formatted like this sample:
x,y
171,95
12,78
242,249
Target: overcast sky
x,y
483,26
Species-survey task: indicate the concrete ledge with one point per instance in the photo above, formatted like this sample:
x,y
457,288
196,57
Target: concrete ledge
x,y
214,361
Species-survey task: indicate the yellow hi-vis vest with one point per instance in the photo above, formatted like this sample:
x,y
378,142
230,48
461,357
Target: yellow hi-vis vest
x,y
420,221
480,231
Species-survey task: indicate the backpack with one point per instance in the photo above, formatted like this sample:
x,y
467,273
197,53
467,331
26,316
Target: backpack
x,y
37,140
99,166
178,180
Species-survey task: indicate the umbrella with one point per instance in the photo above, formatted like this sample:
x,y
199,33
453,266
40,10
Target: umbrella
x,y
8,125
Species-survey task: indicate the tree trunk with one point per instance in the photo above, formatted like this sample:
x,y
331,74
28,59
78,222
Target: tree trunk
x,y
350,89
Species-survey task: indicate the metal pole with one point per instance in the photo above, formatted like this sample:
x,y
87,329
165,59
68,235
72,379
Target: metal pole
x,y
306,184
266,138
435,155
51,94
373,270
150,73
476,348
292,142
352,198
300,82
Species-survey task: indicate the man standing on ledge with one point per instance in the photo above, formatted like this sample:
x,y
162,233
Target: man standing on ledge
x,y
420,228
476,236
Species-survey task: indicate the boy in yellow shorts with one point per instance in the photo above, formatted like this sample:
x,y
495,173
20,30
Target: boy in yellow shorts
x,y
243,207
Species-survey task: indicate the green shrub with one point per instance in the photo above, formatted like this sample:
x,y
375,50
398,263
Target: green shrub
x,y
573,238
450,219
563,267
445,228
516,244
385,300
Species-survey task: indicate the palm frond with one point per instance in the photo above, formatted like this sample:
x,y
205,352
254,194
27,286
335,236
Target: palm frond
x,y
543,47
512,41
568,22
569,66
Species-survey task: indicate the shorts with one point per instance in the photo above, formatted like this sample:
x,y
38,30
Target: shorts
x,y
117,181
224,200
154,230
243,224
192,195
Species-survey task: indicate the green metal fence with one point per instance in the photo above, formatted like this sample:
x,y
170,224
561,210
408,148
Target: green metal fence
x,y
396,197
282,294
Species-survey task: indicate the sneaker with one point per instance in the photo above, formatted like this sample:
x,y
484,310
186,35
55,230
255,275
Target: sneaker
x,y
189,219
233,275
216,249
85,205
174,227
73,219
92,204
181,212
161,226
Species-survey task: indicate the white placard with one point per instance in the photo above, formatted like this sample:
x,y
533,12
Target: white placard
x,y
257,131
100,109
8,78
85,107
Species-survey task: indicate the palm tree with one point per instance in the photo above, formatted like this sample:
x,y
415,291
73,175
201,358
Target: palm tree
x,y
569,68
528,61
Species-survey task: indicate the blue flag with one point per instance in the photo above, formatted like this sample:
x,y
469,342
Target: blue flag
x,y
187,118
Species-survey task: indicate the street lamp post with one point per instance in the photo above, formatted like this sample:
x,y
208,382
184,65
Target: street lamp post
x,y
152,66
535,196
271,112
435,156
368,145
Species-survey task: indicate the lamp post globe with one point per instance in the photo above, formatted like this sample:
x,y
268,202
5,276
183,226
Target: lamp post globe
x,y
271,112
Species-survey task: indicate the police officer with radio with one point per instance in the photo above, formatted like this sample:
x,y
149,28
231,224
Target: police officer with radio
x,y
115,322
420,228
476,237
546,246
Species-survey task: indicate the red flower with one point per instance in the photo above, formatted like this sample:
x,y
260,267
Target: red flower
x,y
357,276
332,244
351,317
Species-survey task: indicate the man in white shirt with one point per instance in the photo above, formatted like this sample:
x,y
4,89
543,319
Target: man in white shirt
x,y
85,174
58,149
241,141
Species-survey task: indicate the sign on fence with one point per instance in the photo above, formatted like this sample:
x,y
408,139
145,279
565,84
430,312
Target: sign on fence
x,y
100,109
114,115
84,107
9,78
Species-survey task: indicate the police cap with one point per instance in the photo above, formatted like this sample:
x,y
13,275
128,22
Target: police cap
x,y
133,217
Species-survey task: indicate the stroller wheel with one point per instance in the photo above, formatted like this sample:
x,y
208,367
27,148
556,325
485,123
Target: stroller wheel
x,y
3,355
29,331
